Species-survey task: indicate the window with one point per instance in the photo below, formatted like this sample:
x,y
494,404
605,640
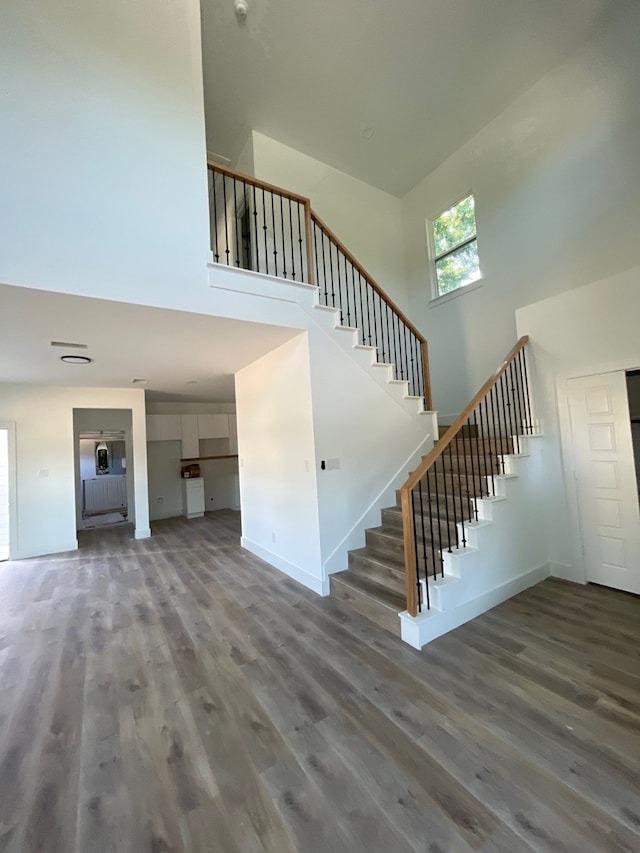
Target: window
x,y
455,247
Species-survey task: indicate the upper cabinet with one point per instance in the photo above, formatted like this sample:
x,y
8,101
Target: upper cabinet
x,y
164,428
213,426
190,437
189,429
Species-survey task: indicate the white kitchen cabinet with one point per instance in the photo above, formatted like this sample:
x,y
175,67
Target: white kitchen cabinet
x,y
213,426
193,497
233,434
164,427
104,493
190,438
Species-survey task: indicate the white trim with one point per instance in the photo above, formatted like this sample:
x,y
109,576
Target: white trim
x,y
419,630
14,545
298,574
464,288
61,548
142,533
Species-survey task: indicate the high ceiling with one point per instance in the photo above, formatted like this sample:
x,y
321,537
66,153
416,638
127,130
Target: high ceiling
x,y
184,357
422,75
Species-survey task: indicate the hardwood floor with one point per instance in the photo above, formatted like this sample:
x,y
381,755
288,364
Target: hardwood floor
x,y
178,694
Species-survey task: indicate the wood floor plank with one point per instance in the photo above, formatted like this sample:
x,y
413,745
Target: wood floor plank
x,y
178,695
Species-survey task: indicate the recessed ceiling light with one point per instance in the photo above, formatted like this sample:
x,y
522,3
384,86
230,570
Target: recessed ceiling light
x,y
191,382
368,132
67,345
75,359
139,381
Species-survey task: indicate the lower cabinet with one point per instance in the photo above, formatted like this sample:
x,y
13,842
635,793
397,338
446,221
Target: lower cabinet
x,y
104,493
193,497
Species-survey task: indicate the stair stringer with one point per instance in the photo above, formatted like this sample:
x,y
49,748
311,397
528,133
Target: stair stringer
x,y
505,552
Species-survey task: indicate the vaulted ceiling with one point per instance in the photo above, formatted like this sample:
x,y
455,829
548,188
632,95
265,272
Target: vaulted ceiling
x,y
384,90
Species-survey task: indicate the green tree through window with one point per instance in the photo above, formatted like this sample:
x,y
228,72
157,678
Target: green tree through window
x,y
456,247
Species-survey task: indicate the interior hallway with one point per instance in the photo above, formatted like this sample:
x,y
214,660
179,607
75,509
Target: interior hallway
x,y
178,694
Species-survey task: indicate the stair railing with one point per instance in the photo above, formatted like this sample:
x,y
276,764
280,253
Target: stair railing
x,y
258,226
440,497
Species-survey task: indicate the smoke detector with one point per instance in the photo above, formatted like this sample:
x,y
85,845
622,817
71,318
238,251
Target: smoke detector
x,y
241,7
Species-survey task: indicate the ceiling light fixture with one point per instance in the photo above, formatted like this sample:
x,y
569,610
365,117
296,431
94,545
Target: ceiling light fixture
x,y
67,345
75,359
368,132
241,7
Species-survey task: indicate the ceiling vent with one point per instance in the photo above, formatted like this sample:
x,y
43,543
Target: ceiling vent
x,y
67,345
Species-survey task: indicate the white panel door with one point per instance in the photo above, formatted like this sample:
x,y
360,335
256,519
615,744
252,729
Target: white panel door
x,y
606,481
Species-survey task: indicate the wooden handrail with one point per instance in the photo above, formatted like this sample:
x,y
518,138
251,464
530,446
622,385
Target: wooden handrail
x,y
460,421
366,276
408,521
255,182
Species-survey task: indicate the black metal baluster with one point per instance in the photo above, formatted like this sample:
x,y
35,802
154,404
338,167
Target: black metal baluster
x,y
484,430
525,424
423,540
526,387
333,291
255,228
465,438
264,231
302,265
434,548
364,334
293,257
275,238
518,380
453,491
346,289
516,403
235,223
506,411
226,226
367,290
216,254
284,251
496,420
324,270
316,259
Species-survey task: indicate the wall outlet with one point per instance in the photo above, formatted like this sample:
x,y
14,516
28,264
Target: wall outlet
x,y
273,537
159,500
44,472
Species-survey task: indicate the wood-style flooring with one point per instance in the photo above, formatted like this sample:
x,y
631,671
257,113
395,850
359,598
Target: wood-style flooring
x,y
178,694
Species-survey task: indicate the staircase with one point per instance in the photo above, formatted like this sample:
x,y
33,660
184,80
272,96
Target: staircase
x,y
454,543
375,582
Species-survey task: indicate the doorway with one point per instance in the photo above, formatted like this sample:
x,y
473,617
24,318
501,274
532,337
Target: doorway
x,y
4,494
605,475
103,479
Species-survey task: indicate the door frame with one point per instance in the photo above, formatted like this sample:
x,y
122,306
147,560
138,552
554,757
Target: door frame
x,y
568,454
10,426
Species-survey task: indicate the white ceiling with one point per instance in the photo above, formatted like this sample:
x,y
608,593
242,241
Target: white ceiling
x,y
424,74
168,348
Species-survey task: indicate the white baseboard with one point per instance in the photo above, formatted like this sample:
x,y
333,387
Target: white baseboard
x,y
298,574
142,533
29,553
566,572
419,630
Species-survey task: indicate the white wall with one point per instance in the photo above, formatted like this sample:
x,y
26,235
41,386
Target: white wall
x,y
45,451
103,172
557,183
591,329
366,219
278,484
310,400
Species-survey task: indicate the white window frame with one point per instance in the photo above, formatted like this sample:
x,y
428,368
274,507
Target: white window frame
x,y
433,258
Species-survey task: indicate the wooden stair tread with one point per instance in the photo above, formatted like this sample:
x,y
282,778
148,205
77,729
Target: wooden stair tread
x,y
381,594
